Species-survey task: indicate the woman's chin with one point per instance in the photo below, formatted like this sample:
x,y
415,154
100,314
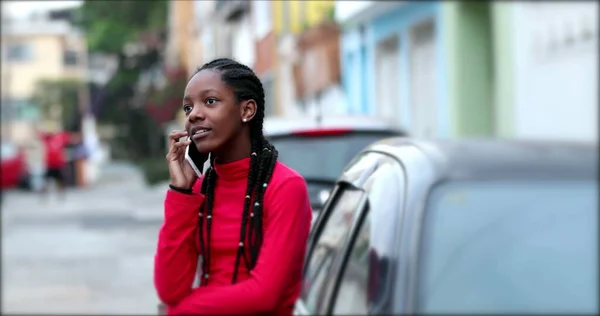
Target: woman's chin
x,y
203,147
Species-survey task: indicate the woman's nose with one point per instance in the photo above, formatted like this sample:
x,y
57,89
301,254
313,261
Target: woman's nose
x,y
196,113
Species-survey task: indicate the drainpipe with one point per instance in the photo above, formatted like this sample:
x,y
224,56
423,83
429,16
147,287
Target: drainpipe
x,y
319,103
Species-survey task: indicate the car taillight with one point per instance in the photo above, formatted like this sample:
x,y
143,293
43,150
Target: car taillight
x,y
323,132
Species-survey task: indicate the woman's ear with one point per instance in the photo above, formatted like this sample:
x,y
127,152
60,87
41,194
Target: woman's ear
x,y
248,110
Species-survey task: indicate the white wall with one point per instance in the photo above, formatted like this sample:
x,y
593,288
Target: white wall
x,y
332,102
345,10
286,94
243,41
556,82
262,18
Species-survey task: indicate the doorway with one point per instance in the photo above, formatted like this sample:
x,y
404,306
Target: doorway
x,y
422,79
387,63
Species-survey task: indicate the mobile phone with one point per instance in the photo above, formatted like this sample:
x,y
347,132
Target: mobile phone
x,y
193,158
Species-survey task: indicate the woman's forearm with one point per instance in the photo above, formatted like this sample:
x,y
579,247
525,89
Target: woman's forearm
x,y
176,257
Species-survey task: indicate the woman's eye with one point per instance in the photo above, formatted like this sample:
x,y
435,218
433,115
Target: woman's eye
x,y
211,101
187,108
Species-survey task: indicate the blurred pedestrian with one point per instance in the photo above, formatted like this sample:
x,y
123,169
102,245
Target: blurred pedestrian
x,y
248,217
80,156
55,144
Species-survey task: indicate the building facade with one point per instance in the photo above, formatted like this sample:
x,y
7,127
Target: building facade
x,y
181,43
47,46
555,78
393,63
307,58
473,69
473,57
265,50
34,50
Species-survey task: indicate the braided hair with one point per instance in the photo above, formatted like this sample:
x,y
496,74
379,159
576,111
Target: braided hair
x,y
246,86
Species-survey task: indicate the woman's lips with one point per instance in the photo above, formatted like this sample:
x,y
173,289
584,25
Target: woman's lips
x,y
201,134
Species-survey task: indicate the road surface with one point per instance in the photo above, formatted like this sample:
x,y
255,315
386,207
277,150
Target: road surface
x,y
92,253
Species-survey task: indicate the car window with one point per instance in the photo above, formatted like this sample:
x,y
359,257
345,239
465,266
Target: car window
x,y
510,247
322,157
328,245
352,296
365,286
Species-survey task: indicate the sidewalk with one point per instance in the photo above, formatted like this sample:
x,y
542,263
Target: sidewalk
x,y
121,190
89,254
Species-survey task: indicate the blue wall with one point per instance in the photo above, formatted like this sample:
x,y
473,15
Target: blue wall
x,y
358,59
354,63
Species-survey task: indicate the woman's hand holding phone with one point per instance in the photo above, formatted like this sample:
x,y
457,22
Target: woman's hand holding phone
x,y
182,174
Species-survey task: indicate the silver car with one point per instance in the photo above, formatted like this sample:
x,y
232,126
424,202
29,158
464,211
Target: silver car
x,y
483,227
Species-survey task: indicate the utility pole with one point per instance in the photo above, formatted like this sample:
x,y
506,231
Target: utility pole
x,y
7,103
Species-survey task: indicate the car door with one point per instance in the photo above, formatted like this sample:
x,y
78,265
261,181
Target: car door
x,y
352,245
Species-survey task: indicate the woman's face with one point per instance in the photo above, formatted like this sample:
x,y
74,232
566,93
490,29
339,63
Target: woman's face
x,y
213,115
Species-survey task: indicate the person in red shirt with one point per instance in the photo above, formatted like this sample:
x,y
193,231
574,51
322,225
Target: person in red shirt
x,y
55,160
245,223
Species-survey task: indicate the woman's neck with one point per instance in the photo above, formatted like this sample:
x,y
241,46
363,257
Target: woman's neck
x,y
239,148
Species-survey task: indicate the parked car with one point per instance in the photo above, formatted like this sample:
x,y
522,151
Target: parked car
x,y
14,171
319,151
458,227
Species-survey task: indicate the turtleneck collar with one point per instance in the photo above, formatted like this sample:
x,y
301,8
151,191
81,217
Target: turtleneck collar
x,y
234,170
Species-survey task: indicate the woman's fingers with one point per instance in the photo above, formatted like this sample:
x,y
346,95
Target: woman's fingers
x,y
175,145
182,144
178,150
175,136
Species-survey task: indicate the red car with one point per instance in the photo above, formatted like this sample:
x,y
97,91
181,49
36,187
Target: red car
x,y
13,166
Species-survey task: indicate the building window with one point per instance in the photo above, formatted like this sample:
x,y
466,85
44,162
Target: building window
x,y
19,110
70,58
18,52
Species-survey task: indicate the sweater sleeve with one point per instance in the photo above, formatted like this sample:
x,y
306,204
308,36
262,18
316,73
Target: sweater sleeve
x,y
176,258
279,264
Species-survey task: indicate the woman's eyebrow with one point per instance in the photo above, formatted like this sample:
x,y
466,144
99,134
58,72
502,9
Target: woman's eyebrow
x,y
187,97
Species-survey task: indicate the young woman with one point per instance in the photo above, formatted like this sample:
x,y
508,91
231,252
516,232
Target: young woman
x,y
248,217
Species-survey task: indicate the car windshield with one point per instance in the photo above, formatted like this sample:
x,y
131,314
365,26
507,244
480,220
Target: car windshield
x,y
510,246
322,157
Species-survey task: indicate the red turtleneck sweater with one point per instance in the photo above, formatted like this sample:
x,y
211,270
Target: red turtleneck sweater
x,y
273,285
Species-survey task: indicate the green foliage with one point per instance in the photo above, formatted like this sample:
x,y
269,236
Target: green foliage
x,y
330,16
177,81
63,93
98,40
305,26
155,170
109,25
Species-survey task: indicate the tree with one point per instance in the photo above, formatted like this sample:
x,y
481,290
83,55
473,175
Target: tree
x,y
110,25
58,99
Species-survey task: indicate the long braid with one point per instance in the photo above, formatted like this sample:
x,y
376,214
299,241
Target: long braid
x,y
201,215
247,202
266,171
207,189
256,145
262,163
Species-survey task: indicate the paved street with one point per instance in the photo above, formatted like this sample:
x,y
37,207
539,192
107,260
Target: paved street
x,y
92,253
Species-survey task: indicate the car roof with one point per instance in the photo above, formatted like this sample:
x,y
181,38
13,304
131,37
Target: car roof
x,y
495,158
274,126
